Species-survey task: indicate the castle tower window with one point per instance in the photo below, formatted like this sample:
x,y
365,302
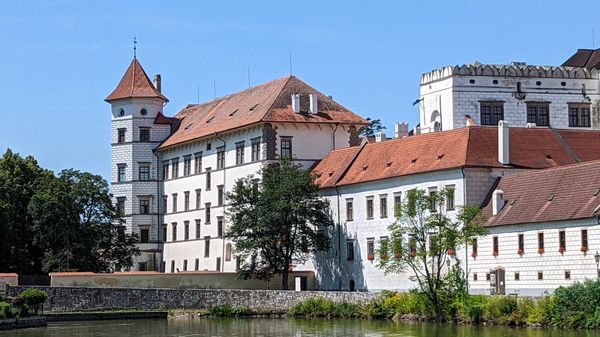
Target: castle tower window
x,y
144,134
121,135
144,235
121,205
121,172
491,112
144,174
144,206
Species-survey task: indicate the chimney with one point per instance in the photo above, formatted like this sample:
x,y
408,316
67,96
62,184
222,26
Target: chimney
x,y
503,155
497,201
157,84
314,104
380,137
400,130
296,103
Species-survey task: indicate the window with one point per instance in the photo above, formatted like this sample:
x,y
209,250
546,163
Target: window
x,y
517,276
541,242
567,274
144,134
187,165
172,266
220,195
164,203
255,149
474,247
144,172
579,115
219,226
186,200
397,203
538,113
165,172
562,243
350,250
144,235
383,206
208,146
349,209
521,244
198,198
370,249
121,135
184,265
584,240
142,266
197,264
488,277
174,198
491,112
174,168
198,226
164,237
383,247
120,172
144,206
369,207
207,213
121,205
207,246
320,240
450,197
220,157
495,245
239,153
228,252
174,231
208,178
218,264
197,163
433,199
540,275
186,230
474,276
286,147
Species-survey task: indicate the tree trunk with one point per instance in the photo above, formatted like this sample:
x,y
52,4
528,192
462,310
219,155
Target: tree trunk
x,y
284,279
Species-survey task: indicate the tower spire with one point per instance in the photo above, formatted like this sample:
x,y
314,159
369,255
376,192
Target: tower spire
x,y
134,46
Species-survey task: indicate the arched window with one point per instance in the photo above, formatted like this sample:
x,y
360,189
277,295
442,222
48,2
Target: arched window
x,y
228,252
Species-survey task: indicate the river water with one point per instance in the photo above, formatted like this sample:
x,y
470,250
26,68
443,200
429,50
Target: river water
x,y
283,327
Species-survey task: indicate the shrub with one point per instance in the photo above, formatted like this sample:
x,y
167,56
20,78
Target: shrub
x,y
321,307
471,308
541,311
397,304
375,308
229,311
6,310
576,306
31,299
499,309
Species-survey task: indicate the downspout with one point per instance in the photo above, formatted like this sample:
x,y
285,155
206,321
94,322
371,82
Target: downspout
x,y
224,180
339,235
462,170
333,135
158,224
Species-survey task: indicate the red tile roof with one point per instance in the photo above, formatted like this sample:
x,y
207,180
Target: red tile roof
x,y
474,146
135,83
588,58
268,102
560,193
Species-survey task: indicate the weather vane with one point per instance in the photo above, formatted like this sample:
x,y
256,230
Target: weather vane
x,y
134,46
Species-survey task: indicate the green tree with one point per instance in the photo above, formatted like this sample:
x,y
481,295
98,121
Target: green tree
x,y
275,222
371,129
423,239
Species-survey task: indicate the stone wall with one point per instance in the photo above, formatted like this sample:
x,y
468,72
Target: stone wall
x,y
262,301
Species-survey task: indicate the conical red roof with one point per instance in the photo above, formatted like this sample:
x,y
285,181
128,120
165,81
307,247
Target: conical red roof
x,y
135,83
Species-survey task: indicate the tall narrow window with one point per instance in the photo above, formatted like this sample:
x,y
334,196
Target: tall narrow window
x,y
174,231
172,266
207,213
397,203
144,173
174,198
219,226
165,171
228,252
144,206
174,168
541,242
186,200
197,162
495,246
383,206
474,247
144,235
433,199
198,226
255,149
208,178
350,250
521,244
538,113
184,265
121,135
197,264
220,195
121,205
220,157
120,172
579,115
198,198
369,207
286,147
370,249
165,200
207,246
491,112
349,209
218,264
187,165
144,134
562,242
164,232
584,240
239,152
450,197
186,230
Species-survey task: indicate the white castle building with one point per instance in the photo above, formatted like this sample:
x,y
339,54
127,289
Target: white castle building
x,y
170,175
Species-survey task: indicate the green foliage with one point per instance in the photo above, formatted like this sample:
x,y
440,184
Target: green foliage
x,y
34,296
6,310
577,306
397,304
471,308
58,223
499,309
275,222
321,307
229,311
541,311
371,129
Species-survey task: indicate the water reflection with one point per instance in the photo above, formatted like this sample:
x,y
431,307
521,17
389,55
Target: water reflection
x,y
282,327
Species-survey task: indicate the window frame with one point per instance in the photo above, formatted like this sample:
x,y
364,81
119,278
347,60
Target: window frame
x,y
174,168
383,211
240,152
220,157
349,250
186,230
187,165
535,113
578,117
121,135
121,173
255,145
198,162
370,205
144,172
286,148
186,201
350,209
491,117
144,205
144,134
495,246
173,231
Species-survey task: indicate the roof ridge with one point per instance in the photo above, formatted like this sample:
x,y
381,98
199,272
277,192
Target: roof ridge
x,y
556,168
275,98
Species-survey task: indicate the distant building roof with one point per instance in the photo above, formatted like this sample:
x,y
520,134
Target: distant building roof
x,y
556,194
474,146
135,84
268,102
588,58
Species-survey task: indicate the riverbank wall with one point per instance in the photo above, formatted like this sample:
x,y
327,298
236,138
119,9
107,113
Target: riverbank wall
x,y
22,323
61,299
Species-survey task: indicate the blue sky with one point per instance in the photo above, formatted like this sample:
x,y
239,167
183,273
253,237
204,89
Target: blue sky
x,y
60,59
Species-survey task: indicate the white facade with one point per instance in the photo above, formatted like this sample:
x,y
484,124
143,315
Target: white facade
x,y
450,93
